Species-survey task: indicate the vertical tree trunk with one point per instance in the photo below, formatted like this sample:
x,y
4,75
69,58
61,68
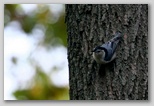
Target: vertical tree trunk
x,y
126,78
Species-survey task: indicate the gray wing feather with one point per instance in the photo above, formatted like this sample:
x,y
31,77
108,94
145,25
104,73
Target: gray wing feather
x,y
111,46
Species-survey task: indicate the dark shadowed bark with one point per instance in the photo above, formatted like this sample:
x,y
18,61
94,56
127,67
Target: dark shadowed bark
x,y
126,78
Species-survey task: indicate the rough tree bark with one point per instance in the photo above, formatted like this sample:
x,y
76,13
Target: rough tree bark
x,y
126,78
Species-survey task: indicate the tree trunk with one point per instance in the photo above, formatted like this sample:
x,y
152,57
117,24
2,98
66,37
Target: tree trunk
x,y
126,78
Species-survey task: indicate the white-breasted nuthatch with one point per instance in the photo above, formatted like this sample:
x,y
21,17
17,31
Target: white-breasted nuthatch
x,y
107,52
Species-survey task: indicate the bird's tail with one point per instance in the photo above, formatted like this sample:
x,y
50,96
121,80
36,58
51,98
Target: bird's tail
x,y
117,38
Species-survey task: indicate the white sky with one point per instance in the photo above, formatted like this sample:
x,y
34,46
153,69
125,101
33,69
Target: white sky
x,y
17,44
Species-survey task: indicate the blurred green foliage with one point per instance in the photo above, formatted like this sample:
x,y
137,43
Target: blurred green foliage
x,y
55,34
42,89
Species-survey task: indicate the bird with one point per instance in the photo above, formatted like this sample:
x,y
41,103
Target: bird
x,y
106,52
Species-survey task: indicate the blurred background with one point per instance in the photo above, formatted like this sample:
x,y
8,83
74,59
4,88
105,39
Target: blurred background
x,y
35,53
